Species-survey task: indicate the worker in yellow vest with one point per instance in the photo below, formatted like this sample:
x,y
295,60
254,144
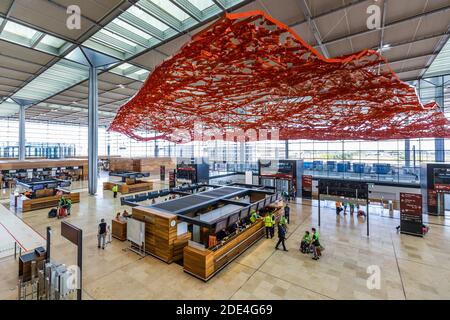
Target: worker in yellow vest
x,y
272,230
268,224
115,189
254,216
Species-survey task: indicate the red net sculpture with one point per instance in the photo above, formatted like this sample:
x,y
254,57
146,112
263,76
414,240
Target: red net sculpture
x,y
249,72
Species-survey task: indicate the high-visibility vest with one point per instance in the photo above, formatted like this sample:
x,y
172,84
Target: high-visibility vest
x,y
268,221
283,220
253,217
316,236
115,189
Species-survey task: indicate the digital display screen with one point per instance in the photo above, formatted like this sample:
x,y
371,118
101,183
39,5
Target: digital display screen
x,y
233,219
38,187
244,213
276,168
221,225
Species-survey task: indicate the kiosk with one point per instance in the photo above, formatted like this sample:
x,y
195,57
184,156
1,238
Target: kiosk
x,y
283,175
129,182
206,230
435,185
34,194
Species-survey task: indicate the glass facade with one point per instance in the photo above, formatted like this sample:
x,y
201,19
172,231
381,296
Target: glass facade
x,y
396,161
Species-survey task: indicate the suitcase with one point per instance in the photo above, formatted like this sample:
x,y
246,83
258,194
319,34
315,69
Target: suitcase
x,y
53,213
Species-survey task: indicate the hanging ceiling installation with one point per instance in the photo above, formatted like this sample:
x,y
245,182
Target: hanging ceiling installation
x,y
248,71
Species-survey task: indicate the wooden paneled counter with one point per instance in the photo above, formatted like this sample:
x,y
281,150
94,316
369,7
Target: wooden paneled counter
x,y
205,263
150,165
124,188
25,204
82,164
119,229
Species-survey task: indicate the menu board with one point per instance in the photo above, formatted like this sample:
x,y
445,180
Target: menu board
x,y
162,173
307,186
411,214
172,179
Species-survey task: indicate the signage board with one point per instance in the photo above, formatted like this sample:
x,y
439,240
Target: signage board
x,y
411,214
172,179
70,232
307,186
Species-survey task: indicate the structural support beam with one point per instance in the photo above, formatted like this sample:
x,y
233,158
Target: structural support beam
x,y
286,149
439,98
22,132
313,27
407,153
93,130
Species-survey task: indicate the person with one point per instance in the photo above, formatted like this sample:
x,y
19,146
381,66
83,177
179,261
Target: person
x,y
125,214
306,242
352,208
115,189
283,221
153,201
361,212
338,207
118,216
101,234
315,244
281,236
272,229
62,207
345,207
268,225
254,216
68,206
292,196
286,212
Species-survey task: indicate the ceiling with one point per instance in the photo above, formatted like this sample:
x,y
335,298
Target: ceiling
x,y
36,45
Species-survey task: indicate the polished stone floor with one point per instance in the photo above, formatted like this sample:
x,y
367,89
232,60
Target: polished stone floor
x,y
410,267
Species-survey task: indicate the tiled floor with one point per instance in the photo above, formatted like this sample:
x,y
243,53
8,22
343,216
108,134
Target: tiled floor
x,y
411,268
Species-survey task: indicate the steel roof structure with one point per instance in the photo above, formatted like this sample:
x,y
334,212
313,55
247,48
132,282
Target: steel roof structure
x,y
36,68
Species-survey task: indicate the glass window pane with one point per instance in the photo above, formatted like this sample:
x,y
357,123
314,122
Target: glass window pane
x,y
147,18
19,30
132,29
171,9
202,4
53,41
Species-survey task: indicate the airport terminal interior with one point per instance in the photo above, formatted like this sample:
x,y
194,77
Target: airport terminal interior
x,y
181,149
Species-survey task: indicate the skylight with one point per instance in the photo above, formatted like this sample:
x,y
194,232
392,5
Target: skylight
x,y
132,29
202,4
19,30
172,9
58,77
130,71
440,65
53,41
28,37
135,11
119,38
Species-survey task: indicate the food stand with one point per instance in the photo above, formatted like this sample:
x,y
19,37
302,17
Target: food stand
x,y
211,227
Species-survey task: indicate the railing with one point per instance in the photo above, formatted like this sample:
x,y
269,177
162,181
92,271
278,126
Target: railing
x,y
12,249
